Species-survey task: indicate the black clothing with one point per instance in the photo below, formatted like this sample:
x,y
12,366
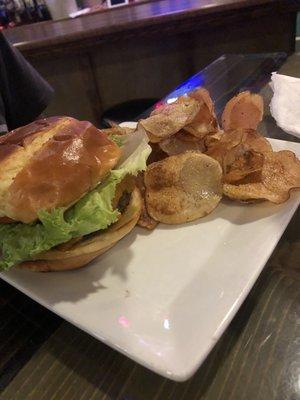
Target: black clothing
x,y
24,94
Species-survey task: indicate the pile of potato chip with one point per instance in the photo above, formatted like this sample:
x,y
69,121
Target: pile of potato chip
x,y
195,162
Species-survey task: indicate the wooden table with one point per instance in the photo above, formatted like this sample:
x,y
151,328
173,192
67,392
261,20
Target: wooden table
x,y
43,357
146,49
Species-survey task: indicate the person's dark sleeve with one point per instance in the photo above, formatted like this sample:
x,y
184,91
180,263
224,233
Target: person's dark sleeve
x,y
3,124
24,93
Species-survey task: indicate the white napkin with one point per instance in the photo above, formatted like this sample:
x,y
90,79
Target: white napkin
x,y
285,104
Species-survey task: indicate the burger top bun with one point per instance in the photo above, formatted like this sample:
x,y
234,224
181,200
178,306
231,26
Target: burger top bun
x,y
51,163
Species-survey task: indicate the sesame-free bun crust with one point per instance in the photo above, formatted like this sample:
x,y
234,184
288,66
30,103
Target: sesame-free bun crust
x,y
84,251
51,163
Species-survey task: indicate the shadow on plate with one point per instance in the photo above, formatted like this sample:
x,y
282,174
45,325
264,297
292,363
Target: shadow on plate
x,y
75,285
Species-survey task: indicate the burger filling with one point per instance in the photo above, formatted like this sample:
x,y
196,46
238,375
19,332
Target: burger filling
x,y
97,210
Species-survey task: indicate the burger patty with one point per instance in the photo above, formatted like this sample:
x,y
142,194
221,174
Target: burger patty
x,y
124,201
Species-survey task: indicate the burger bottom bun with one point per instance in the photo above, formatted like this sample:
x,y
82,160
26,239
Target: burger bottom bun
x,y
84,251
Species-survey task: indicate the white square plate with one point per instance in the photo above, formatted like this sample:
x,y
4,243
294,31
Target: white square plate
x,y
164,298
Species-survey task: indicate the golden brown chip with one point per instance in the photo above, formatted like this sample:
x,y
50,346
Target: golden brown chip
x,y
243,111
145,221
247,164
280,174
205,122
255,141
183,188
252,191
181,142
170,118
249,138
241,151
281,171
219,148
211,140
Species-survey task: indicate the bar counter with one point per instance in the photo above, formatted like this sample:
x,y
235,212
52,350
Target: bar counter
x,y
145,49
146,18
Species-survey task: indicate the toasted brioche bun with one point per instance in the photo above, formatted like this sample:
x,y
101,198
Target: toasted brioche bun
x,y
51,163
87,249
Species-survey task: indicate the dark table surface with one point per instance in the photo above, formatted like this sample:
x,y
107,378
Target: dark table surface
x,y
138,17
43,357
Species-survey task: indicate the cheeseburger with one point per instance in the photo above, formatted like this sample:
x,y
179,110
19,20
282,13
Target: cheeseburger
x,y
67,192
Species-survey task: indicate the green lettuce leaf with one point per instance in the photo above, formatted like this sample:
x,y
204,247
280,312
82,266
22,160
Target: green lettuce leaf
x,y
93,212
118,139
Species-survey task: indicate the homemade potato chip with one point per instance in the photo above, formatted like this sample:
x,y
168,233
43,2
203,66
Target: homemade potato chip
x,y
252,191
145,221
239,152
281,172
211,140
181,142
251,170
170,118
205,122
249,138
255,141
249,163
183,187
243,111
